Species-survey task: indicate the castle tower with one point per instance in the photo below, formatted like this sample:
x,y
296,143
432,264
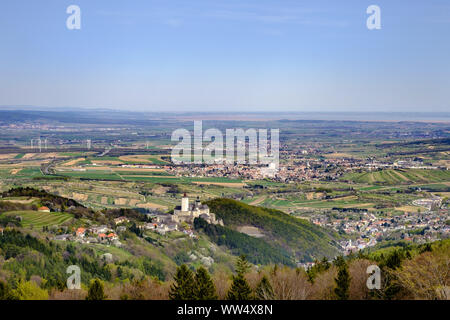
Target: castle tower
x,y
197,202
185,203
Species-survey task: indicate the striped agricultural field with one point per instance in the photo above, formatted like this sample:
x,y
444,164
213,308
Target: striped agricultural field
x,y
41,219
399,176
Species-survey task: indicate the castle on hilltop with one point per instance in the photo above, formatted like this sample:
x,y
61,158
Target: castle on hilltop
x,y
188,212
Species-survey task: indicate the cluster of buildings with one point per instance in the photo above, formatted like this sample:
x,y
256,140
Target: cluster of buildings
x,y
181,220
95,234
371,228
402,164
430,204
288,172
297,165
187,212
182,214
232,171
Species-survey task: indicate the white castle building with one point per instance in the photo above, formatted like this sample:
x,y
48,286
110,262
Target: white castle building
x,y
188,212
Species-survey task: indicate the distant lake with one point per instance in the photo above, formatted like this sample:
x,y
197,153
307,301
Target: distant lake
x,y
351,116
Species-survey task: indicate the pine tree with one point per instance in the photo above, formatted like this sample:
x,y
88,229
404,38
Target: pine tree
x,y
324,263
342,282
394,260
339,261
242,265
183,288
204,287
240,290
264,290
274,270
96,291
361,255
318,267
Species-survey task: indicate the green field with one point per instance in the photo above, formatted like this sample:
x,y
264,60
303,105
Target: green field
x,y
92,174
156,160
72,154
153,159
370,188
183,180
292,203
397,176
437,187
144,173
30,172
41,219
156,177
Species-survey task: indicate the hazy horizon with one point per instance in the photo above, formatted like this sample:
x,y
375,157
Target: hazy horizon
x,y
199,110
370,116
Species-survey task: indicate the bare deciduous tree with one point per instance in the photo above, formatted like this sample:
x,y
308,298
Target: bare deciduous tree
x,y
148,289
324,284
67,294
222,281
358,285
427,276
290,284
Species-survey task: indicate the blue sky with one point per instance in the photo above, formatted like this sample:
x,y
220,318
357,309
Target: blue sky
x,y
227,55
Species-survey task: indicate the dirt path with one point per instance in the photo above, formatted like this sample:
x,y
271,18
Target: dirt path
x,y
223,184
15,171
72,162
258,201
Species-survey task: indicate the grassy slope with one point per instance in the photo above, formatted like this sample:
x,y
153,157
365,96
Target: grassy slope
x,y
40,219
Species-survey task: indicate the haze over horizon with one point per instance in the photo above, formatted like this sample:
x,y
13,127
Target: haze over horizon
x,y
191,111
227,56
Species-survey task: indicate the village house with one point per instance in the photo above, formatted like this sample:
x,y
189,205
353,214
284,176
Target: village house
x,y
90,240
100,229
80,232
112,236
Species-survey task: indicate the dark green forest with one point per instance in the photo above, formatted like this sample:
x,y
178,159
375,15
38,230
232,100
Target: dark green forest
x,y
304,238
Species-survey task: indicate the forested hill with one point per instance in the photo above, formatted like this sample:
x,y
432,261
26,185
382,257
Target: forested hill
x,y
304,239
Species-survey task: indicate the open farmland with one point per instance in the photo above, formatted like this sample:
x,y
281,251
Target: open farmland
x,y
393,177
38,219
325,168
